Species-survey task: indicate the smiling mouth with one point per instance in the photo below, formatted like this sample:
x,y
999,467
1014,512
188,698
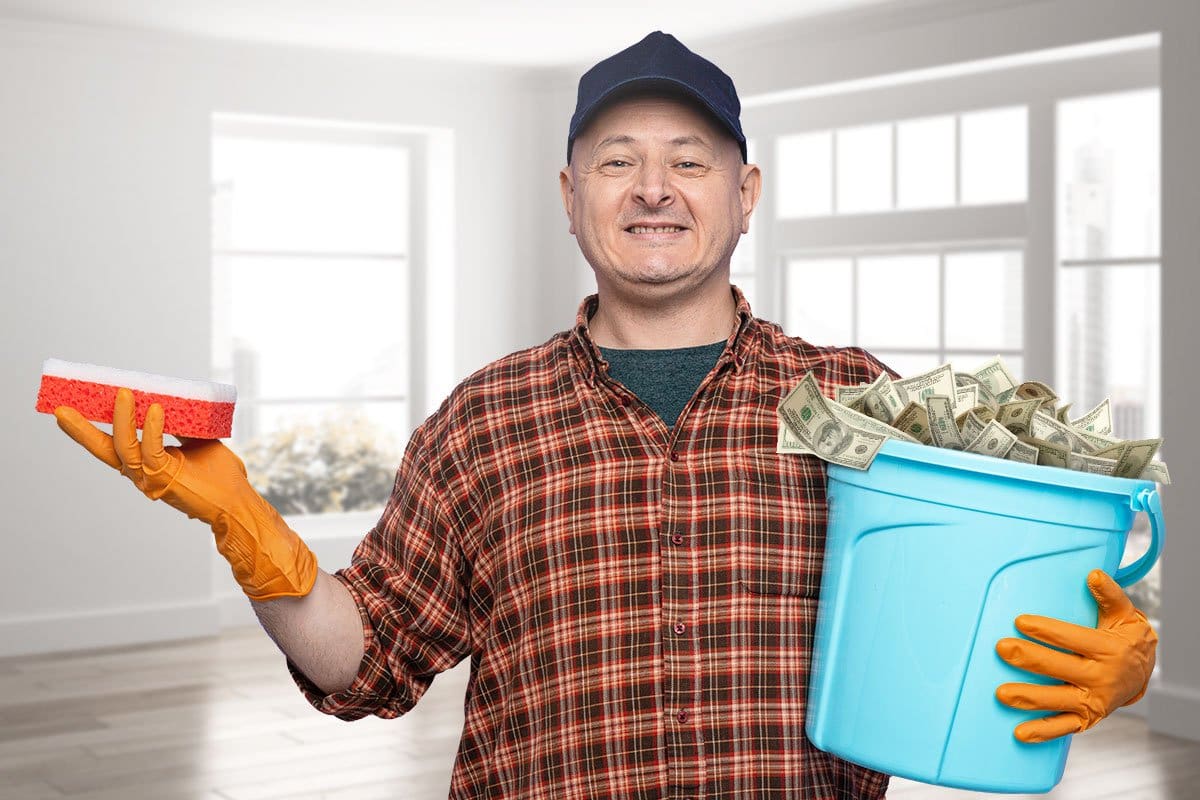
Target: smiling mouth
x,y
655,229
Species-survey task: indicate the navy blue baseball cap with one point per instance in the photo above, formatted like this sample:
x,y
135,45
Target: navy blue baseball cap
x,y
659,59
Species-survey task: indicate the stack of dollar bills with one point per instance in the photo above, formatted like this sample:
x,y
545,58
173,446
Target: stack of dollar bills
x,y
985,412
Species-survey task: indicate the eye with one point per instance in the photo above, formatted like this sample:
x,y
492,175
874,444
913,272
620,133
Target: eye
x,y
616,162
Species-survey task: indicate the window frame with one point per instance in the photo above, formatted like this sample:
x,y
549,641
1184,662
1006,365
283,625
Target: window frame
x,y
1032,224
228,125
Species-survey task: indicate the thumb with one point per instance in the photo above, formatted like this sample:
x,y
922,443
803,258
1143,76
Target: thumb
x,y
1110,597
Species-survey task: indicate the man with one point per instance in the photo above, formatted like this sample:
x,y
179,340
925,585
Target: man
x,y
600,522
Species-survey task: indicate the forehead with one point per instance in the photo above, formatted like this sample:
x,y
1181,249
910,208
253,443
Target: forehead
x,y
650,114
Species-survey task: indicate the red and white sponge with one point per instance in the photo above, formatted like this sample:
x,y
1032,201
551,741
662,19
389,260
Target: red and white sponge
x,y
196,409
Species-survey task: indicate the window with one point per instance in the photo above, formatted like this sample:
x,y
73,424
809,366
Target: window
x,y
975,158
1108,314
912,310
311,283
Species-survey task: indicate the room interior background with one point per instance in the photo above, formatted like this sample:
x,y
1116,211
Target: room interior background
x,y
144,176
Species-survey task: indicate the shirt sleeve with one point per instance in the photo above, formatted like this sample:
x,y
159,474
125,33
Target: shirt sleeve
x,y
865,366
409,579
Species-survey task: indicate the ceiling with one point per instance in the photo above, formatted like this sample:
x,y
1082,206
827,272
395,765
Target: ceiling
x,y
512,32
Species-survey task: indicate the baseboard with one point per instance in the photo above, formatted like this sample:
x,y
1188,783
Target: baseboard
x,y
89,630
1174,710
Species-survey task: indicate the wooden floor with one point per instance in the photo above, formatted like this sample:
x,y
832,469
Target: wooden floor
x,y
219,719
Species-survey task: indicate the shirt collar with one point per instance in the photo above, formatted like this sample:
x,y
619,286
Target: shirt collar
x,y
737,347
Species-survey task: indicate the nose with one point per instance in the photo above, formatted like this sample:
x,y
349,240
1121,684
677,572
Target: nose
x,y
652,187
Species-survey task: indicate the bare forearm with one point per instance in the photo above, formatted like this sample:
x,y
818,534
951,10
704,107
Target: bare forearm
x,y
320,632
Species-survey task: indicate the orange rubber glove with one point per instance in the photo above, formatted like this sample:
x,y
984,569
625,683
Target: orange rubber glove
x,y
1108,667
205,480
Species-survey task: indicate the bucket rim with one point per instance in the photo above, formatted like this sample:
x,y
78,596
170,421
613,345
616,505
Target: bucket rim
x,y
897,450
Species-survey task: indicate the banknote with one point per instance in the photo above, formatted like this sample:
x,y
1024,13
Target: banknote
x,y
1025,453
880,400
1038,390
983,395
966,397
857,419
998,380
1049,454
913,419
1156,471
993,440
1097,465
1016,414
1132,456
786,442
942,427
1098,420
809,415
971,423
848,394
1044,426
939,380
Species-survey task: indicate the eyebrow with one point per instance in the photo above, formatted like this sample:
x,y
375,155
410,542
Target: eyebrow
x,y
624,138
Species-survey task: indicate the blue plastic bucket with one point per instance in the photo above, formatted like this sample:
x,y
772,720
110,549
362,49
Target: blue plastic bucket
x,y
929,557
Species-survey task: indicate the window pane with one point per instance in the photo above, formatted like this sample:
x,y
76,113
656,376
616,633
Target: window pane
x,y
804,186
925,162
319,327
994,156
898,301
818,300
983,300
1108,344
1108,156
864,169
316,458
297,195
907,364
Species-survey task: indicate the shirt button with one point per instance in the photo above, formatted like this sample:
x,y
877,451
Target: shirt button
x,y
680,627
674,456
682,716
677,539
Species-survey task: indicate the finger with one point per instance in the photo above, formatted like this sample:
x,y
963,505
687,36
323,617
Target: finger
x,y
1110,597
1057,632
94,440
1034,697
1047,728
125,431
154,457
1033,657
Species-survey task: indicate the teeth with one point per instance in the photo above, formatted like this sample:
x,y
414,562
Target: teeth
x,y
663,229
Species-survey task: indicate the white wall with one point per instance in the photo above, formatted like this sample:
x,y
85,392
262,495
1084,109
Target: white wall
x,y
104,253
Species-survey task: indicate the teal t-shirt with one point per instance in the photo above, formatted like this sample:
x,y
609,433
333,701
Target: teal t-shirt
x,y
663,379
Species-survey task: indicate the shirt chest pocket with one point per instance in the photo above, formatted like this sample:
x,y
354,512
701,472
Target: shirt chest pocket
x,y
779,518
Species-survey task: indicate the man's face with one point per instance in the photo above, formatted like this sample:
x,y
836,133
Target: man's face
x,y
660,162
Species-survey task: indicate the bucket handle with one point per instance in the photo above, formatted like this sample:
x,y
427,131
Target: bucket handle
x,y
1146,500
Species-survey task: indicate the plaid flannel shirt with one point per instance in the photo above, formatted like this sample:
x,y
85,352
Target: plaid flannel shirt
x,y
637,602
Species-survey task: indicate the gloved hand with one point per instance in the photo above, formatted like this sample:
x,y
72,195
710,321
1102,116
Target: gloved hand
x,y
205,480
1108,667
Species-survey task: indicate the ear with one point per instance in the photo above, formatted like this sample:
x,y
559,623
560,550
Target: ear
x,y
750,190
566,184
